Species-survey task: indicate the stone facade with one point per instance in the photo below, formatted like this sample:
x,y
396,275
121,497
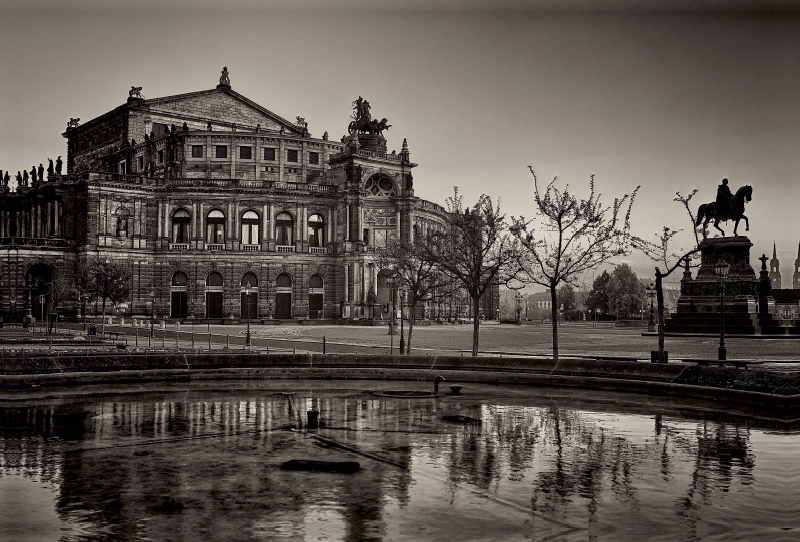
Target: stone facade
x,y
204,193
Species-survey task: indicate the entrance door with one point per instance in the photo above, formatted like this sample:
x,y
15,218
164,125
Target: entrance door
x,y
214,305
253,307
283,305
315,305
179,306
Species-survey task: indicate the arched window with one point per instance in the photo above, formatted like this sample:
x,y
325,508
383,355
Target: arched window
x,y
180,279
215,228
249,279
283,281
380,186
179,295
284,229
214,295
251,225
214,279
416,234
315,282
316,231
180,226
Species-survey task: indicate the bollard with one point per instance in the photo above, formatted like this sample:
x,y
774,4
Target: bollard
x,y
149,340
323,344
209,341
227,342
137,337
163,338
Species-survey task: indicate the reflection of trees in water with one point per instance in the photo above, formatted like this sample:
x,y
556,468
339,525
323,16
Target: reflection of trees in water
x,y
571,459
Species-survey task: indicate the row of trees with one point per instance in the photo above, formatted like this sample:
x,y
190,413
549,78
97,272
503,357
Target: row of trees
x,y
479,248
94,280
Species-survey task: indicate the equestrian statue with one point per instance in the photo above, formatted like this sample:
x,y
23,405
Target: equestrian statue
x,y
727,207
363,121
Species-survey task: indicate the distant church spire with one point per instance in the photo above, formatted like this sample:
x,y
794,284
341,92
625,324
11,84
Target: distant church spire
x,y
796,277
775,269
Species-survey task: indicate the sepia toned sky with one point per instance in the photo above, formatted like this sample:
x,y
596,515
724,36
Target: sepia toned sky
x,y
667,95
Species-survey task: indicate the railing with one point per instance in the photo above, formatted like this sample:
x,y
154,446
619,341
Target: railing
x,y
251,248
429,205
179,246
33,242
215,246
284,248
318,250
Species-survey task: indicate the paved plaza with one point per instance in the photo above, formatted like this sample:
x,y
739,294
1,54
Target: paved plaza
x,y
503,339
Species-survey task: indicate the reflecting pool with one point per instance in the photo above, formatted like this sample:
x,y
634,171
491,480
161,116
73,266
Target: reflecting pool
x,y
202,461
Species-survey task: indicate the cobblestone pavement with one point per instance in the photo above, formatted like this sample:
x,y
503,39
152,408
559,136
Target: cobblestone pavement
x,y
504,339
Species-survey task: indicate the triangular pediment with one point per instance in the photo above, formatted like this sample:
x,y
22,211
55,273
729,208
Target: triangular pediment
x,y
221,106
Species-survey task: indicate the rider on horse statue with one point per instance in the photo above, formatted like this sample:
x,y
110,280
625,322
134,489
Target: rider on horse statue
x,y
724,201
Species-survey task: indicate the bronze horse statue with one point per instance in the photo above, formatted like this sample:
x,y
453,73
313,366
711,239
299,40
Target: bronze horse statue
x,y
708,212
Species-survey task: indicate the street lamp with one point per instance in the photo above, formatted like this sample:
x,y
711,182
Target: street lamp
x,y
392,322
651,293
152,312
402,337
519,308
721,270
247,290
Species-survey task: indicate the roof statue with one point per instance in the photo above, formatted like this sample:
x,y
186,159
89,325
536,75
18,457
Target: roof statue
x,y
224,79
136,92
363,121
73,123
301,122
726,207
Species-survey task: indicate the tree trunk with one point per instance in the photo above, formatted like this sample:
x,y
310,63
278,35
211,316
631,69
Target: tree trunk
x,y
476,324
103,325
660,299
554,319
411,319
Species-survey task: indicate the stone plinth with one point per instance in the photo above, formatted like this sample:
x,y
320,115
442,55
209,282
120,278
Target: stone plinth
x,y
698,308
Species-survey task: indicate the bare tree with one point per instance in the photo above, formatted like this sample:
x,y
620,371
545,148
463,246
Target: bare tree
x,y
574,236
418,275
61,289
475,250
109,280
661,252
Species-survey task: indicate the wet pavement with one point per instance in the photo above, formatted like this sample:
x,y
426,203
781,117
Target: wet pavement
x,y
203,462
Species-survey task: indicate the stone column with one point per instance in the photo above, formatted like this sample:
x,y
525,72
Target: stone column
x,y
281,152
346,283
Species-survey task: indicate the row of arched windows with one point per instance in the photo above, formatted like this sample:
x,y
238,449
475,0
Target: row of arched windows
x,y
251,231
179,278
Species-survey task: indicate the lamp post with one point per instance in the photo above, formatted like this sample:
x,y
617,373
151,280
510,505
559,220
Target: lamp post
x,y
651,293
402,337
722,269
247,290
519,308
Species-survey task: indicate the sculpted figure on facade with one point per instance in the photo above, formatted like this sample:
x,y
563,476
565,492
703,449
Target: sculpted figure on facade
x,y
59,165
135,92
50,170
33,174
41,172
73,123
224,79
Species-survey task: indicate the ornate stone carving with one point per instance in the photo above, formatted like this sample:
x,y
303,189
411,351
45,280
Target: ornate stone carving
x,y
224,79
135,92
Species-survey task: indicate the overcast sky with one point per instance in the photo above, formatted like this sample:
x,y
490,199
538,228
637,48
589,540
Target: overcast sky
x,y
639,93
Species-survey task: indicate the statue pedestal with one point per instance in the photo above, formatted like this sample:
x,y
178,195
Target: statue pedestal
x,y
699,303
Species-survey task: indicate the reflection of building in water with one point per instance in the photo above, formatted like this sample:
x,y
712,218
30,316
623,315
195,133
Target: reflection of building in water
x,y
187,458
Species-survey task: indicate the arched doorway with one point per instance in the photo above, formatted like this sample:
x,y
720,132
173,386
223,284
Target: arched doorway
x,y
179,295
214,296
283,296
249,303
316,297
40,277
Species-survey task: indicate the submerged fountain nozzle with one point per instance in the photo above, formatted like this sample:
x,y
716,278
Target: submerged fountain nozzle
x,y
436,384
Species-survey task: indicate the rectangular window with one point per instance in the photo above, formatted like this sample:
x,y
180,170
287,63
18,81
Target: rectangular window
x,y
197,151
313,158
246,153
269,154
222,151
291,155
161,157
366,236
140,163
